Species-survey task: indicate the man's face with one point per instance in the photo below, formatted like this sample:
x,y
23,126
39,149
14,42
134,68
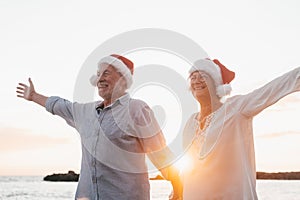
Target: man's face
x,y
110,82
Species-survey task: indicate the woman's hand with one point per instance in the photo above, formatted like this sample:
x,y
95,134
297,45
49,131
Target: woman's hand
x,y
173,196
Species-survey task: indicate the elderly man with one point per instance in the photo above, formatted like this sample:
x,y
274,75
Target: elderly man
x,y
116,134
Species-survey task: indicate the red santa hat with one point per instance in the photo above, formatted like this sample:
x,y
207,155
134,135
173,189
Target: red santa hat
x,y
218,72
122,65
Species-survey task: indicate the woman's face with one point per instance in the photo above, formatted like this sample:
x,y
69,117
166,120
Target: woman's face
x,y
201,85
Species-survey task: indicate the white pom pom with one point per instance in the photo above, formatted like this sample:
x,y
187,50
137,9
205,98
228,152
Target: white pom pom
x,y
93,80
223,90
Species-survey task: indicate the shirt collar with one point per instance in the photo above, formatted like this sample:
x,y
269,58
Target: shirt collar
x,y
122,100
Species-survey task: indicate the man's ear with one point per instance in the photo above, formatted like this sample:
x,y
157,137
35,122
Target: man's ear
x,y
123,82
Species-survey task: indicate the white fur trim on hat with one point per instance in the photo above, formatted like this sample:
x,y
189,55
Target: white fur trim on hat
x,y
93,80
223,90
213,70
120,67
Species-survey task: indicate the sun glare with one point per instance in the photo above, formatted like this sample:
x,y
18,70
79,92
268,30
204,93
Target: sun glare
x,y
183,163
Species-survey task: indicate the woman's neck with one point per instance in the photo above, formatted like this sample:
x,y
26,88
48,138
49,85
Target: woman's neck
x,y
209,107
206,110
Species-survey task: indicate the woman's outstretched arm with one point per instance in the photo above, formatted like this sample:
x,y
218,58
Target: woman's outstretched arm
x,y
261,98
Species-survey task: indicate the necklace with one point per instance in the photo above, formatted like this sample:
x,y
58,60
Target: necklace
x,y
207,119
201,136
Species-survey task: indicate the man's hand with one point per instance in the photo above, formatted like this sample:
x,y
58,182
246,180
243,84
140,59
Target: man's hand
x,y
26,92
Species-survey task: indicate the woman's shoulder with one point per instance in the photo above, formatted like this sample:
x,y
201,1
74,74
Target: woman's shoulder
x,y
194,115
192,120
235,100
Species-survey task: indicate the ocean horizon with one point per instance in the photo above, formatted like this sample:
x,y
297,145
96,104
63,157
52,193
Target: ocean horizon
x,y
34,188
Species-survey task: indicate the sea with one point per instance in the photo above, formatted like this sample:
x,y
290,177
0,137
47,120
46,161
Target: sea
x,y
34,188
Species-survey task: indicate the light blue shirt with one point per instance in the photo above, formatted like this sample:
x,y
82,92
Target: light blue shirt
x,y
114,142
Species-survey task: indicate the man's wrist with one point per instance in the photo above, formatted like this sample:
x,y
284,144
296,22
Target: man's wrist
x,y
33,96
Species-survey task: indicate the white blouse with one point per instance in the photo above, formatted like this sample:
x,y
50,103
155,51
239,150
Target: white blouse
x,y
223,158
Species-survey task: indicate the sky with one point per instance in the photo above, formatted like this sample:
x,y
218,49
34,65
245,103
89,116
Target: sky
x,y
50,41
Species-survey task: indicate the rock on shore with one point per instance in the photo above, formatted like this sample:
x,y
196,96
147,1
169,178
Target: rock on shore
x,y
278,175
71,176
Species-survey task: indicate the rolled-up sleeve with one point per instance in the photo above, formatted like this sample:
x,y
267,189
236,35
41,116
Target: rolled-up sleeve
x,y
152,138
61,107
147,128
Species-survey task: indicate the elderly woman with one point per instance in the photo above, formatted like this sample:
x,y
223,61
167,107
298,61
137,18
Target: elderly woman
x,y
219,138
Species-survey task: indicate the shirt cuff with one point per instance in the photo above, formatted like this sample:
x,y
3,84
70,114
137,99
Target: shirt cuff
x,y
50,102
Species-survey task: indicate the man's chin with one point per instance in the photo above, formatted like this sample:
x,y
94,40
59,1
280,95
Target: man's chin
x,y
104,95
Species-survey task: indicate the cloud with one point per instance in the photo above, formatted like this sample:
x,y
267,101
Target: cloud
x,y
275,135
14,139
